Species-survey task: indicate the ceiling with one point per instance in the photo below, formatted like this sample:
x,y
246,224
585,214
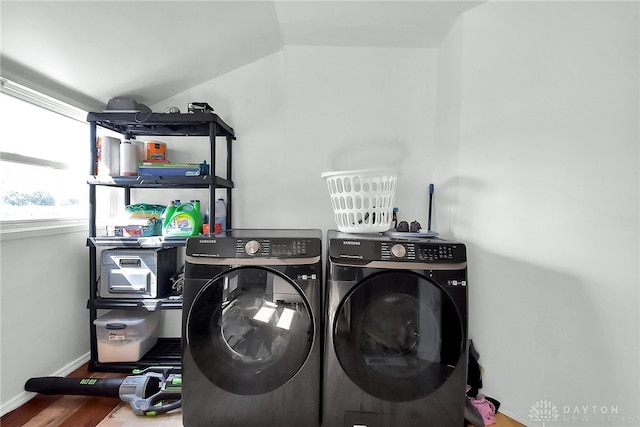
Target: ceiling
x,y
92,51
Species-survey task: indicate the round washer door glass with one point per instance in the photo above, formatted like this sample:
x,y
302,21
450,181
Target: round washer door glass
x,y
398,336
250,330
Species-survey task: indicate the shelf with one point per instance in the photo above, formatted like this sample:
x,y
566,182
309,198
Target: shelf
x,y
152,181
167,352
161,124
136,242
148,304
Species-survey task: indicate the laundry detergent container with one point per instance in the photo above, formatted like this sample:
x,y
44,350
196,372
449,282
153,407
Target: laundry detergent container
x,y
126,335
362,200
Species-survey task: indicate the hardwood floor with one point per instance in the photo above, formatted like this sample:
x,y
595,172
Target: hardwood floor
x,y
504,421
86,411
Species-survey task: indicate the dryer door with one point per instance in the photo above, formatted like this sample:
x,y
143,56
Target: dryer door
x,y
398,335
250,330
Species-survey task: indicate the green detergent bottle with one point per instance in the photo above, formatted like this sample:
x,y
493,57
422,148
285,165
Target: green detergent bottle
x,y
200,222
184,221
166,215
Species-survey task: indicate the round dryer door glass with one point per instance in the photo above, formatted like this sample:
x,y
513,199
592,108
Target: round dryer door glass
x,y
398,336
250,330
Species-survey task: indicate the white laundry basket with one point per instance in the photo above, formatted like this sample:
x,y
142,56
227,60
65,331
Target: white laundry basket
x,y
362,200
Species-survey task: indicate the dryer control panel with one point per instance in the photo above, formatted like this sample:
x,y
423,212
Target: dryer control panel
x,y
259,247
380,248
276,248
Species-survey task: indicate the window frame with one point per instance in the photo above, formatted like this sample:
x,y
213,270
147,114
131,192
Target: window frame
x,y
21,228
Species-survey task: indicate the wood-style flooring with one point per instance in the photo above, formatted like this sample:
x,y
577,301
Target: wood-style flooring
x,y
86,411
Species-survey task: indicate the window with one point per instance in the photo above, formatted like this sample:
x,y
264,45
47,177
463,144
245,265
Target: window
x,y
44,157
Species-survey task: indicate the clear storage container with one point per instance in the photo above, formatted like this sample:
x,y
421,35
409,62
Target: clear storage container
x,y
126,335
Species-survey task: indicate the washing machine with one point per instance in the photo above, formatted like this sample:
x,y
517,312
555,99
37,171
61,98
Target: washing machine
x,y
396,331
251,332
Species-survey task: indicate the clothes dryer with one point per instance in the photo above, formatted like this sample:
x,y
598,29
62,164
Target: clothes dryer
x,y
396,331
251,329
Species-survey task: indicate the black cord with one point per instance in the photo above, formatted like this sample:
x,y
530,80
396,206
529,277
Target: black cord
x,y
145,119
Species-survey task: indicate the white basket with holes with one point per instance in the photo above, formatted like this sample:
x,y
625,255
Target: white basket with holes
x,y
362,200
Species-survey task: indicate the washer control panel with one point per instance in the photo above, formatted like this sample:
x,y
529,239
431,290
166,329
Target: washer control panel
x,y
220,247
273,247
390,250
374,248
438,253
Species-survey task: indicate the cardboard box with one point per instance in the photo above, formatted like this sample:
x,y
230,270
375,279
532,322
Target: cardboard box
x,y
155,150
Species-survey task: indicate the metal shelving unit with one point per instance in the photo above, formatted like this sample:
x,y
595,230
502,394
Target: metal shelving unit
x,y
132,125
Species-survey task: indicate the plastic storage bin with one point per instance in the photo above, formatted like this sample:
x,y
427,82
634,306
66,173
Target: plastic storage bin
x,y
362,200
126,335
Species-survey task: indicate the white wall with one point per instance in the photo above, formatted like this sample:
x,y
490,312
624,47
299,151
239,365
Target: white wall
x,y
446,150
307,110
250,99
354,108
44,316
548,197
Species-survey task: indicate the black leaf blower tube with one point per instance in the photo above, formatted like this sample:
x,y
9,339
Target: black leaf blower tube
x,y
151,391
102,387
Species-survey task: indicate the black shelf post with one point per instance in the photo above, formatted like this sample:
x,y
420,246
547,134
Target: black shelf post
x,y
229,163
213,131
93,273
92,171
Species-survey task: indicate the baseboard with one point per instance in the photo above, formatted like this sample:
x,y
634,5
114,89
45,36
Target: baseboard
x,y
513,416
26,396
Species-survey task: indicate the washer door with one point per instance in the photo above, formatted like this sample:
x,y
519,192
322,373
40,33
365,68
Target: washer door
x,y
398,336
250,330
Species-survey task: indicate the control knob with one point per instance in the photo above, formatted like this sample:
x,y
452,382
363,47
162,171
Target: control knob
x,y
252,247
398,250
